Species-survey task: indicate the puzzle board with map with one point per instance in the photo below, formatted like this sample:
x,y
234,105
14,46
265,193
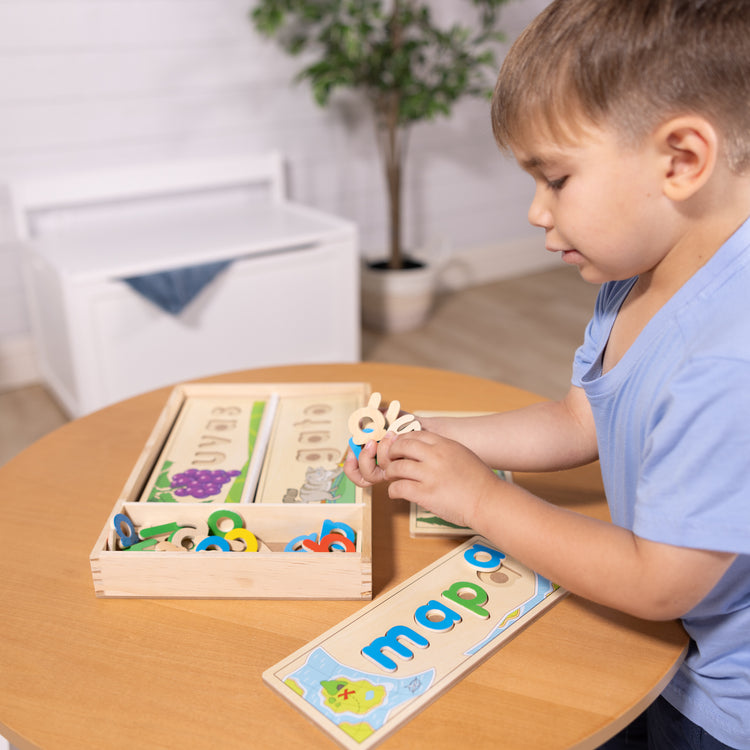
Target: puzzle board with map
x,y
369,674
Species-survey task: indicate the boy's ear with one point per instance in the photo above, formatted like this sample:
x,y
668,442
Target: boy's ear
x,y
689,148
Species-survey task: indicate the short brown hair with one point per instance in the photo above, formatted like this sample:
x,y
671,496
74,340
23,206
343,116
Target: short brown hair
x,y
628,64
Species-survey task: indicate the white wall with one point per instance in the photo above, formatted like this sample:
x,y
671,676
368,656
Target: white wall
x,y
86,84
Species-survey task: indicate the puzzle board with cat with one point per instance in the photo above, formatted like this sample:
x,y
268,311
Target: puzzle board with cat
x,y
366,676
236,482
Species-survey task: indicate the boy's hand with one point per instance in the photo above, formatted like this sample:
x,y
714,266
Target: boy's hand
x,y
373,458
441,475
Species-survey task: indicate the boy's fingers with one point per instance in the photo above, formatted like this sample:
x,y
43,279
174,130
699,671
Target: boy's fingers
x,y
352,470
368,463
384,446
413,445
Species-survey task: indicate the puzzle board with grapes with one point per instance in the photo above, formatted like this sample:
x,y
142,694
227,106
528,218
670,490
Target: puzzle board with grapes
x,y
236,482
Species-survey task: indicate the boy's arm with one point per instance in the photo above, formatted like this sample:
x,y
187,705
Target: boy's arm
x,y
600,561
592,558
548,436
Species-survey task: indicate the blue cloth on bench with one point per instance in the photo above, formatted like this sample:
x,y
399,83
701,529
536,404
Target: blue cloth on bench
x,y
173,290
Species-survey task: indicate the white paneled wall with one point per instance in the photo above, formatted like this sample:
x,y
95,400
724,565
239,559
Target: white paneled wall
x,y
96,83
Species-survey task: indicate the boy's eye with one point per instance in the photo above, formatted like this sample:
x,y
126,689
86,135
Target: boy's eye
x,y
557,184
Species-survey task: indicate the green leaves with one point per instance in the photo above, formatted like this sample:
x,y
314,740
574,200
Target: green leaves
x,y
393,51
411,68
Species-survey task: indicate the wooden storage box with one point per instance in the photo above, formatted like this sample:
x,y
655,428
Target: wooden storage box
x,y
290,486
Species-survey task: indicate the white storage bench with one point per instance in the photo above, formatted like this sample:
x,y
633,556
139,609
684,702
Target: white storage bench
x,y
290,294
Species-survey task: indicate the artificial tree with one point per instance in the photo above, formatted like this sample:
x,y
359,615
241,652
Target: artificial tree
x,y
409,68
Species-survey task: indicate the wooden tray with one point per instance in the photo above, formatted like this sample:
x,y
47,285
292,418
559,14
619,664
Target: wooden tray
x,y
282,478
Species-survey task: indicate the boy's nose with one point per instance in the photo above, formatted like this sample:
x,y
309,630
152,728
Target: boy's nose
x,y
539,214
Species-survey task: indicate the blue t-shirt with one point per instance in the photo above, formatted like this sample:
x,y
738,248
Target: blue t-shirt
x,y
673,429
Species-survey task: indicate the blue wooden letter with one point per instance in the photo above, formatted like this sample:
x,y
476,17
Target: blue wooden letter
x,y
390,640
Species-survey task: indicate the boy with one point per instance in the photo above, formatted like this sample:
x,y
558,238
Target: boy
x,y
633,119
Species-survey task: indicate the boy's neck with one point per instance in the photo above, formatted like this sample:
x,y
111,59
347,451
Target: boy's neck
x,y
706,222
704,226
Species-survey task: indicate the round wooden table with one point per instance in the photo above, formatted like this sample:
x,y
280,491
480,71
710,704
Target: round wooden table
x,y
81,672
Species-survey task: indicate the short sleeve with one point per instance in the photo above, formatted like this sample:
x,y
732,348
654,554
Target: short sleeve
x,y
694,485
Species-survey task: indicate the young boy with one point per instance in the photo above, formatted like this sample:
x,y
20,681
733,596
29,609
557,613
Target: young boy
x,y
633,119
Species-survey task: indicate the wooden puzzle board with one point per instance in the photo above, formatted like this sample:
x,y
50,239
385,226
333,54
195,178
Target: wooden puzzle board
x,y
352,681
212,435
306,450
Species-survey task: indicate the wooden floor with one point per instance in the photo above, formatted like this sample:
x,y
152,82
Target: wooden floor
x,y
521,331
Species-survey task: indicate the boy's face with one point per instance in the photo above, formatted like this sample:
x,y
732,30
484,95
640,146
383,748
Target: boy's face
x,y
601,205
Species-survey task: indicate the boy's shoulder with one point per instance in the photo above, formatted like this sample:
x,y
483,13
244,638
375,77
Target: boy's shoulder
x,y
714,313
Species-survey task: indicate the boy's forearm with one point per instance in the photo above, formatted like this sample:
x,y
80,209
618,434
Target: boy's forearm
x,y
595,559
547,436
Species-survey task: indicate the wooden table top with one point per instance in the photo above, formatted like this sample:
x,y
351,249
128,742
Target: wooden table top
x,y
77,671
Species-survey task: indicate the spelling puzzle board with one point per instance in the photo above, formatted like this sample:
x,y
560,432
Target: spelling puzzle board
x,y
371,673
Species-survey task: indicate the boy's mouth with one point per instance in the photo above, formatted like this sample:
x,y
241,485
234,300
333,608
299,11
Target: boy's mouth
x,y
571,255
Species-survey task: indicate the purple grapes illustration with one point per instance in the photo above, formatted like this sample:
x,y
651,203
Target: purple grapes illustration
x,y
201,483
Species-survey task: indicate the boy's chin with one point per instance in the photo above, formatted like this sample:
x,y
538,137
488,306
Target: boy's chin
x,y
593,275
